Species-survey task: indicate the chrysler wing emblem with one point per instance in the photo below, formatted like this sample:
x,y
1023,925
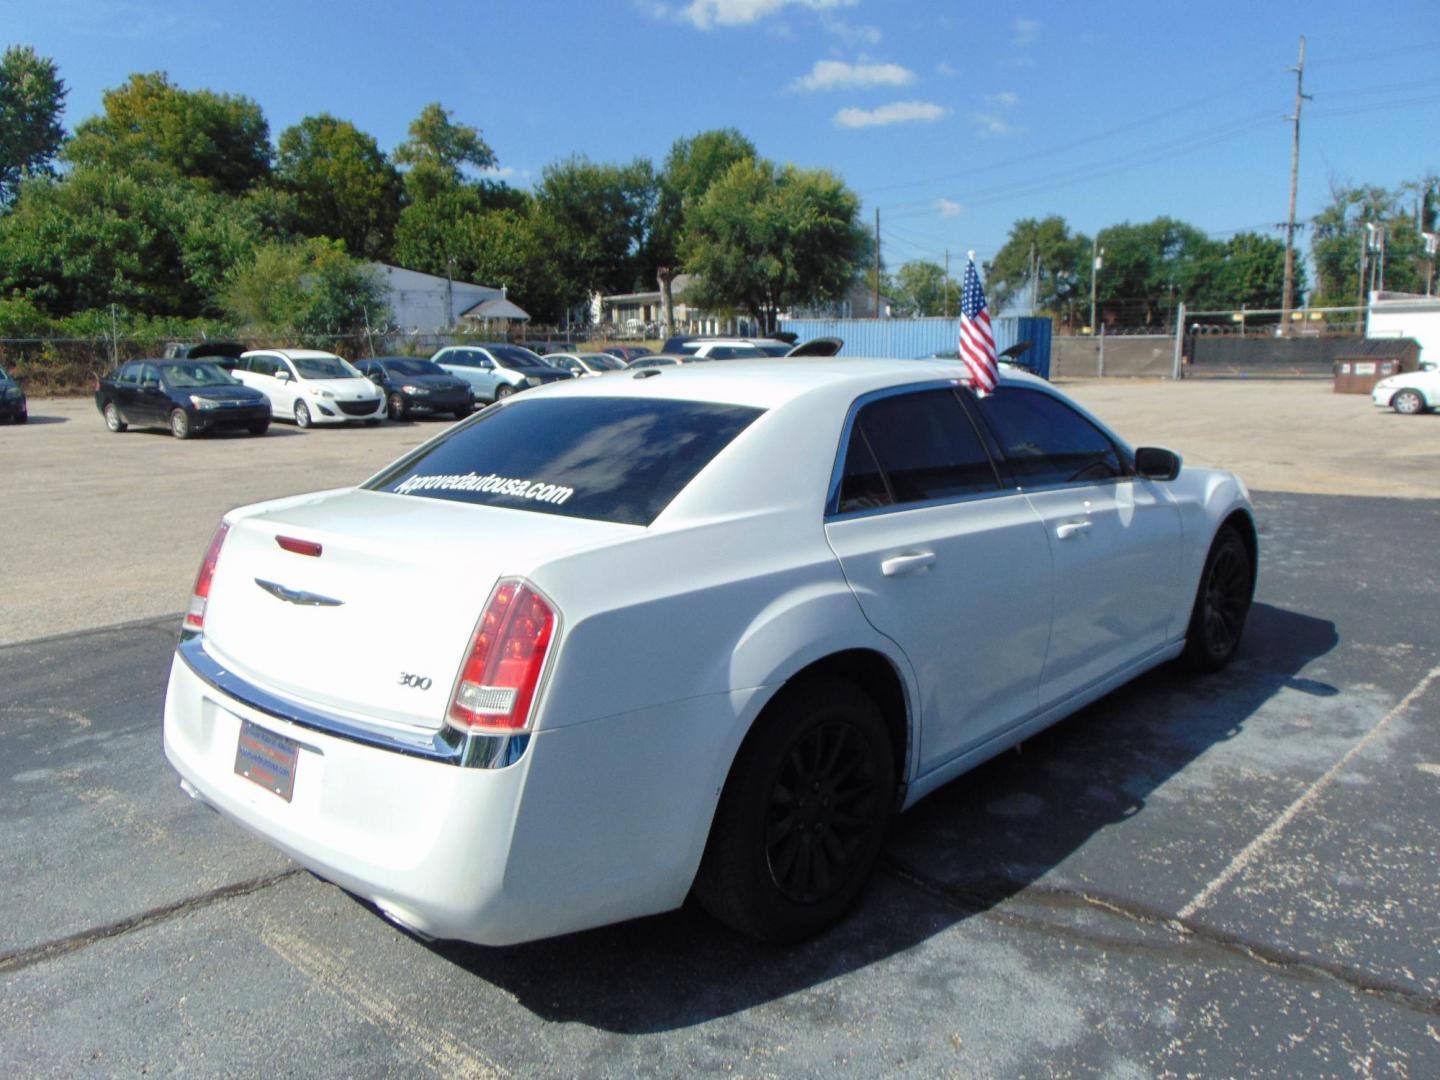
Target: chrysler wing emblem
x,y
297,596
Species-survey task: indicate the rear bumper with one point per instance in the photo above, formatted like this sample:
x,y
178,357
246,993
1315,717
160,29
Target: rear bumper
x,y
594,823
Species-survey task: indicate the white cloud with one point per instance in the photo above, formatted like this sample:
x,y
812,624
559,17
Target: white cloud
x,y
1026,31
500,172
990,124
1004,98
839,75
850,34
899,112
948,208
945,69
705,14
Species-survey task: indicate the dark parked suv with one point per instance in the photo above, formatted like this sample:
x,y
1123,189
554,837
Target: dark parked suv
x,y
187,396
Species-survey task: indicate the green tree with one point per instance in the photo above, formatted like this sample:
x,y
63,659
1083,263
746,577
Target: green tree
x,y
690,168
765,239
921,288
96,237
1250,272
149,124
344,186
1149,268
592,218
1340,235
310,289
437,152
32,100
1060,259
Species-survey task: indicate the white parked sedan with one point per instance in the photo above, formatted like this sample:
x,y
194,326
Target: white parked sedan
x,y
854,580
310,387
1409,393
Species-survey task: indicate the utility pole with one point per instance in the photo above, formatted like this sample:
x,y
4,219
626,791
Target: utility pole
x,y
1034,280
1097,255
1364,243
877,262
1288,297
947,282
1432,242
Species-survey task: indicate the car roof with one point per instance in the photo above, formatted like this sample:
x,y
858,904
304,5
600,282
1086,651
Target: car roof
x,y
296,354
777,381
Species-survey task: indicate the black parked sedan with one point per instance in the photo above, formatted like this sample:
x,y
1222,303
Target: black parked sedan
x,y
413,387
12,400
187,396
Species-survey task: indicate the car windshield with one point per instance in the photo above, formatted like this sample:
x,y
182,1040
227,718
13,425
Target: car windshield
x,y
323,367
412,367
194,374
606,459
779,348
510,356
601,361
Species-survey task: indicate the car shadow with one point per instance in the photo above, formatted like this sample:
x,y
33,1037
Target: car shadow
x,y
1096,768
35,420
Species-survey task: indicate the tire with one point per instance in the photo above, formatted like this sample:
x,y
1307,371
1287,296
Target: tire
x,y
503,391
302,415
783,868
1408,403
1222,603
463,412
22,418
395,407
260,427
179,424
112,418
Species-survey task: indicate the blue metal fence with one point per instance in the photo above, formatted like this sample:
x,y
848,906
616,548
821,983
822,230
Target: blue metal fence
x,y
908,338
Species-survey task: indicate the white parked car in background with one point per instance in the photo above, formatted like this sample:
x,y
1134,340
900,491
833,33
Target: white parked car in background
x,y
495,370
704,628
310,387
583,364
1409,393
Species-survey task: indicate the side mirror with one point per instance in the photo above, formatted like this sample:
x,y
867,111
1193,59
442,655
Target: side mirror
x,y
377,377
1155,463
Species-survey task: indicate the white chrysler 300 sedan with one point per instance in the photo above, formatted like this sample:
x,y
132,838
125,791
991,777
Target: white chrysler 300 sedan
x,y
702,629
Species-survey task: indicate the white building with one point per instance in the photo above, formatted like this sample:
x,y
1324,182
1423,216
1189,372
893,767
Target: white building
x,y
1406,315
429,304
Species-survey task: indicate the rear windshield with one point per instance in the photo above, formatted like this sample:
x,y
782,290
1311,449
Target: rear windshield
x,y
606,459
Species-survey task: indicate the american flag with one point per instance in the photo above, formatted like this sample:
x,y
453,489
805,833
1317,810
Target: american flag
x,y
977,343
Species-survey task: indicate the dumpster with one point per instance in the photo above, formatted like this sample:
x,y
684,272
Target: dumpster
x,y
1359,374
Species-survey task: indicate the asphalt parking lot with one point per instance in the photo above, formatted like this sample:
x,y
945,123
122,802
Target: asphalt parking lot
x,y
1232,875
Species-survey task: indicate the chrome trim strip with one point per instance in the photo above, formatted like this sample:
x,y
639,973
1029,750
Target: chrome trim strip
x,y
446,746
297,596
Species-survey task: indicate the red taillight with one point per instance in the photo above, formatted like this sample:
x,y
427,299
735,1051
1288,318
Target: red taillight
x,y
507,655
195,616
299,547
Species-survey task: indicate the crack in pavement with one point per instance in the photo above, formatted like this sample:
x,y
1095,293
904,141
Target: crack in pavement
x,y
36,954
986,900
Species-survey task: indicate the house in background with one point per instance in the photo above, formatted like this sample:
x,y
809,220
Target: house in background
x,y
429,304
637,315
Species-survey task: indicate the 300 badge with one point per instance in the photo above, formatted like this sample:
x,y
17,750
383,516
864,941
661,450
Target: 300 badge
x,y
417,682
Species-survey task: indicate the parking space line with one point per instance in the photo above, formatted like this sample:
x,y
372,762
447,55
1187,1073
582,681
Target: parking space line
x,y
441,1053
1248,854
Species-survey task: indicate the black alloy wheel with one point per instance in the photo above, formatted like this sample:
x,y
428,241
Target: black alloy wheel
x,y
179,424
1221,605
803,814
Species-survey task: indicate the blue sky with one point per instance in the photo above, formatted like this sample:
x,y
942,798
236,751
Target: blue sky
x,y
954,119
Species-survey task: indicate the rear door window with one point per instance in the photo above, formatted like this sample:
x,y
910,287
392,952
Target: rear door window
x,y
913,448
606,459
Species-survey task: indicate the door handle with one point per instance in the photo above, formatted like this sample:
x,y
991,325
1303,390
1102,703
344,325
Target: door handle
x,y
915,562
1071,528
